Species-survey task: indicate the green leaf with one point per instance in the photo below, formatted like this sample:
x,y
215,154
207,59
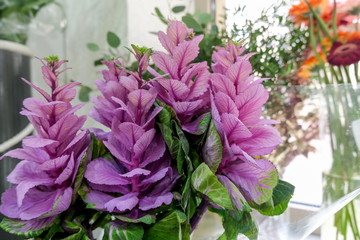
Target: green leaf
x,y
190,22
113,40
161,16
84,93
280,199
212,149
27,229
147,219
234,224
125,232
184,142
81,170
205,182
178,9
93,47
98,62
168,228
189,201
205,18
98,148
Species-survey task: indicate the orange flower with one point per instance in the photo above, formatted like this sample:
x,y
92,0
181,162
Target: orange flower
x,y
300,13
343,37
308,66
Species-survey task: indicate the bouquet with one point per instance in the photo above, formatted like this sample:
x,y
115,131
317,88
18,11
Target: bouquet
x,y
187,140
332,61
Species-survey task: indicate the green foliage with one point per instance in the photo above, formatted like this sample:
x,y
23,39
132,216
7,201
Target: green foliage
x,y
112,39
160,16
93,47
18,13
17,227
278,203
278,54
205,182
235,223
84,93
124,232
147,219
212,149
178,9
171,227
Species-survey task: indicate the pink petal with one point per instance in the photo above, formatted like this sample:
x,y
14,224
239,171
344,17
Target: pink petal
x,y
102,171
143,143
225,104
263,141
234,128
147,203
123,203
166,42
166,64
221,83
177,32
154,151
186,52
176,89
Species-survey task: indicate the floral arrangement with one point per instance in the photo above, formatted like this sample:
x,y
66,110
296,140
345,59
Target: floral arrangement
x,y
334,37
189,139
332,63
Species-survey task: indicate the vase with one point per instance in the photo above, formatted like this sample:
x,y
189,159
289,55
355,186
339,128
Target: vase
x,y
342,175
14,64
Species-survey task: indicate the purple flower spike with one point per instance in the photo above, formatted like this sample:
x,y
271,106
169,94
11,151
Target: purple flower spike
x,y
186,87
237,102
43,180
138,176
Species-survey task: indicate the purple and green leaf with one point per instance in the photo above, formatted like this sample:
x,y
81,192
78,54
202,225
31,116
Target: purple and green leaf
x,y
27,229
212,149
205,181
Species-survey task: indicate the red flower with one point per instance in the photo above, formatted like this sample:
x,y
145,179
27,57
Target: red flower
x,y
344,54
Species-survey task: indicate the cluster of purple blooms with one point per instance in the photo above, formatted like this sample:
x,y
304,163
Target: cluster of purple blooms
x,y
139,175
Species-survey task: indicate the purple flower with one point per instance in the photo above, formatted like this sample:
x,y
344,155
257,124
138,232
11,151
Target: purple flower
x,y
43,180
237,101
185,85
137,176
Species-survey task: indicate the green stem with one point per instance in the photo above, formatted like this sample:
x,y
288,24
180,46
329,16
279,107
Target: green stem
x,y
356,71
334,25
317,55
356,232
321,22
347,74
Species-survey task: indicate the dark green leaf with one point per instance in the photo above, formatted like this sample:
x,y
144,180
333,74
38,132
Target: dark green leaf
x,y
178,9
84,93
183,139
98,62
113,40
192,23
93,47
168,228
280,199
204,181
234,224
